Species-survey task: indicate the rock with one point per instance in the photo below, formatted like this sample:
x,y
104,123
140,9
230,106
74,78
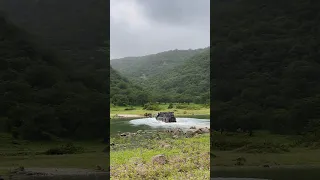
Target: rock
x,y
140,165
190,133
136,160
123,134
202,130
192,127
99,168
139,131
240,161
266,166
177,131
175,137
205,130
164,145
198,131
159,159
1,178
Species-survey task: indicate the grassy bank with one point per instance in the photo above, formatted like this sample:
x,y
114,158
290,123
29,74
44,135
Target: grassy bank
x,y
263,149
26,154
186,158
178,109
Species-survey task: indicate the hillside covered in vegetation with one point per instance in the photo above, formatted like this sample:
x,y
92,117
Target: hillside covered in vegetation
x,y
140,69
265,66
189,82
54,84
173,76
123,92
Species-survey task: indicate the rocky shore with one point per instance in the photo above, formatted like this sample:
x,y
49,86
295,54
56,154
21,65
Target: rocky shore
x,y
193,131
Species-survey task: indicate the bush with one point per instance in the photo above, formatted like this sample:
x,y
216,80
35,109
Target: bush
x,y
130,108
264,148
149,106
64,149
170,106
188,107
181,106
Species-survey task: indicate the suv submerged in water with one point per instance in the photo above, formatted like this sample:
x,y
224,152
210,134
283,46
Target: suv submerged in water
x,y
166,117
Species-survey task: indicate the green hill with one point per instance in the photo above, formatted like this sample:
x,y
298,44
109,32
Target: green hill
x,y
265,71
189,82
139,69
123,92
46,96
172,76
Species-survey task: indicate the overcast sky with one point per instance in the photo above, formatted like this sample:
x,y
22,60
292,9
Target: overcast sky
x,y
142,27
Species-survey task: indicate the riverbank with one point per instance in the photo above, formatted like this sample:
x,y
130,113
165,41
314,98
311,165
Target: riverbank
x,y
79,156
187,155
161,154
179,111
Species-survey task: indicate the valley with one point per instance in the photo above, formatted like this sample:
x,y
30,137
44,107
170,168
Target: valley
x,y
173,81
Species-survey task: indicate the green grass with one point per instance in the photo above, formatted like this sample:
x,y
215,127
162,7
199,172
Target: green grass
x,y
191,109
188,158
261,149
30,154
297,156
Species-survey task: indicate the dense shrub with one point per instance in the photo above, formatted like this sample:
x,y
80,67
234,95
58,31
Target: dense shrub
x,y
65,149
151,106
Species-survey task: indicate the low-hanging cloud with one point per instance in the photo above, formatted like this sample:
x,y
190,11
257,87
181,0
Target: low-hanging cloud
x,y
142,27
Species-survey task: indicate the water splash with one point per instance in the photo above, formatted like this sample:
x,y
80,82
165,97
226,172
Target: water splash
x,y
183,123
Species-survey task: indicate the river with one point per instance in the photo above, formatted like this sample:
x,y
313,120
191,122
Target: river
x,y
135,124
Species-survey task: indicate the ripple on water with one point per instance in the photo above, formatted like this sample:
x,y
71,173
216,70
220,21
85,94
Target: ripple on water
x,y
183,123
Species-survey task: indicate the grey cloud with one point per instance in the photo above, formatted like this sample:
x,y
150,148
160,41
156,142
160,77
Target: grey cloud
x,y
178,12
172,24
